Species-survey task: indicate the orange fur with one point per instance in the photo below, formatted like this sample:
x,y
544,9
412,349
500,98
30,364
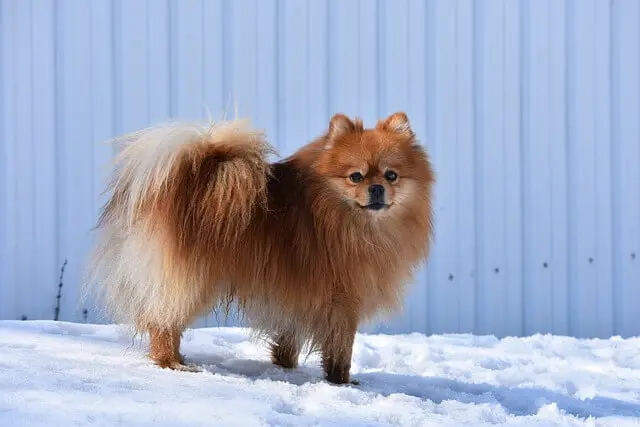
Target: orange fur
x,y
199,217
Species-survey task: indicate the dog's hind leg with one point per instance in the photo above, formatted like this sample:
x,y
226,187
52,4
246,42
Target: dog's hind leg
x,y
285,350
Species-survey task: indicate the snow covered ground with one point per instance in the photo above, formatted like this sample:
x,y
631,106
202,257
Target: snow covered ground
x,y
64,374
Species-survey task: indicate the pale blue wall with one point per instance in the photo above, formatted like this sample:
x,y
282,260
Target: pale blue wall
x,y
529,108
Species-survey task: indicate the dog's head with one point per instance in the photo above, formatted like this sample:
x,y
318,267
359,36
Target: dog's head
x,y
379,170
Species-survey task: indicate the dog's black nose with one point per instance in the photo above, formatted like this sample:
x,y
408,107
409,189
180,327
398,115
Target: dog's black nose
x,y
376,194
376,189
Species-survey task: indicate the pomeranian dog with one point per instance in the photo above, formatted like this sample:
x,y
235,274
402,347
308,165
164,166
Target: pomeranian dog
x,y
307,247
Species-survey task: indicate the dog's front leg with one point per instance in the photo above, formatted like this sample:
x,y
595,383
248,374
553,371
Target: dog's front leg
x,y
337,350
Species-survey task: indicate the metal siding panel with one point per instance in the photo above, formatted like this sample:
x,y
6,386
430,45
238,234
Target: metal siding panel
x,y
44,160
6,303
490,73
132,39
24,184
344,58
159,61
582,117
417,297
318,67
102,114
524,176
9,302
214,60
75,161
559,190
242,81
267,69
537,178
626,158
443,295
187,61
464,278
367,51
602,172
293,84
513,169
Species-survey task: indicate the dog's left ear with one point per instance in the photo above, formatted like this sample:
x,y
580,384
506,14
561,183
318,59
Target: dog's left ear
x,y
397,123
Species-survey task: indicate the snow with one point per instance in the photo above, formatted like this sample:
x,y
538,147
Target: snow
x,y
66,374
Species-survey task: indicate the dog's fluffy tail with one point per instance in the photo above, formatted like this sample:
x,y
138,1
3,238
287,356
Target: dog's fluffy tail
x,y
179,192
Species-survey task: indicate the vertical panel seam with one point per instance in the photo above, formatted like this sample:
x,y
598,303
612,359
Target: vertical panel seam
x,y
91,104
147,61
478,181
117,96
568,163
381,51
58,94
613,157
429,71
308,73
599,264
329,62
524,139
35,271
457,144
552,296
171,58
279,69
3,154
204,109
503,131
226,36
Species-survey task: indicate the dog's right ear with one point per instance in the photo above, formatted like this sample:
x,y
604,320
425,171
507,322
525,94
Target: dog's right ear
x,y
340,124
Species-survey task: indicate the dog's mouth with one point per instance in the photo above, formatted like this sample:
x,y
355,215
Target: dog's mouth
x,y
375,206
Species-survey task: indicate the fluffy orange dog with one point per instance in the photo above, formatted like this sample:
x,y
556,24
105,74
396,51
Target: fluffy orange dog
x,y
307,247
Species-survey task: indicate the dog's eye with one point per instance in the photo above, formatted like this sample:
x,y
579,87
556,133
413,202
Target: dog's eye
x,y
390,175
356,177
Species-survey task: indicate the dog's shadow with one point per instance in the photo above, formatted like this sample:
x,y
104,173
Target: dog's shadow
x,y
255,369
518,401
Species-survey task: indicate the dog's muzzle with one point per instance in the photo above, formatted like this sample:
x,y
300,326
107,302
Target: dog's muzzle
x,y
376,197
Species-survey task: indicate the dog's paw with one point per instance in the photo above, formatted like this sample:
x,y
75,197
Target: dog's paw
x,y
341,380
179,366
343,383
284,363
185,367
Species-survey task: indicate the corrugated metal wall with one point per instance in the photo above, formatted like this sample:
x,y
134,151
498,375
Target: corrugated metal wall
x,y
529,108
